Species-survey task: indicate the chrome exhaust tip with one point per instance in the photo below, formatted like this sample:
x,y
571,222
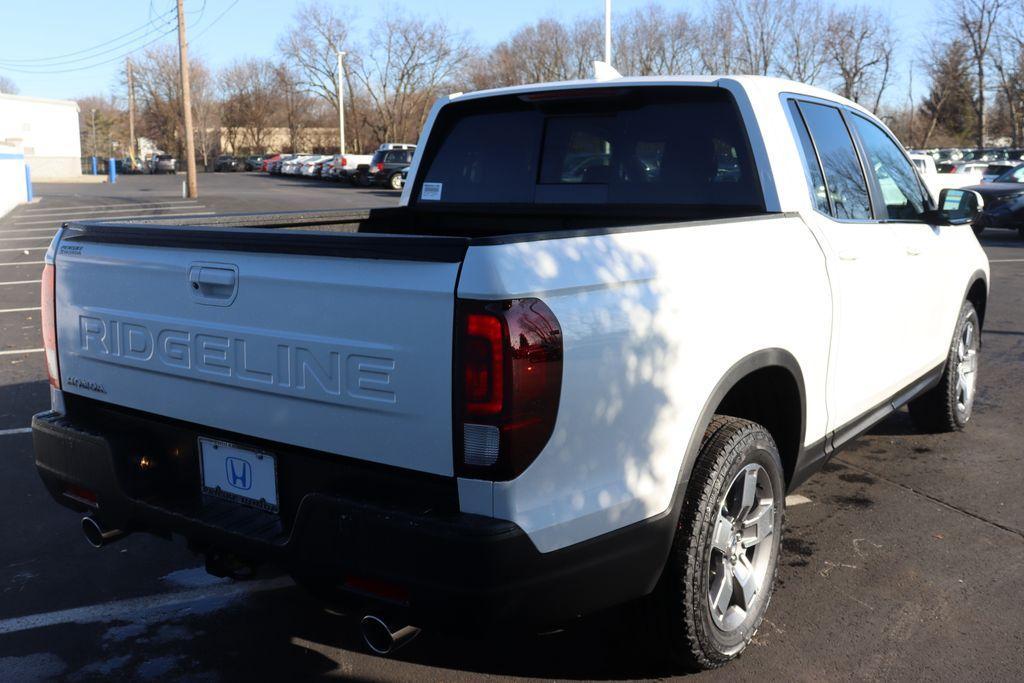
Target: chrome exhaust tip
x,y
97,535
381,638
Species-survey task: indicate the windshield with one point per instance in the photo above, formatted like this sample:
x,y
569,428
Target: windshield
x,y
682,146
1014,175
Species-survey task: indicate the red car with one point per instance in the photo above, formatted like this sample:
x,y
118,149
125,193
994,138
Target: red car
x,y
267,160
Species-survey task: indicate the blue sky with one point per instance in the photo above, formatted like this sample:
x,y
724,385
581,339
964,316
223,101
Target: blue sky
x,y
223,30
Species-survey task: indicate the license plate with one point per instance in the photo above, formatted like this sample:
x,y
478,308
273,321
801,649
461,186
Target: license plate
x,y
240,474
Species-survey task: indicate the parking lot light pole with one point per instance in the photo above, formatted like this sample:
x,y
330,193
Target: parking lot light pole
x,y
341,103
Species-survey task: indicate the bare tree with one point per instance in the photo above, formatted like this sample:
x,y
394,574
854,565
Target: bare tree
x,y
250,102
651,41
311,49
759,29
412,63
977,21
7,86
716,41
294,107
948,105
802,55
859,46
159,97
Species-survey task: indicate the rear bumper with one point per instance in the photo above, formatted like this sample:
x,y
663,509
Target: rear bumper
x,y
444,568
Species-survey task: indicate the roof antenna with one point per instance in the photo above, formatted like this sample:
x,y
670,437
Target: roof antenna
x,y
603,71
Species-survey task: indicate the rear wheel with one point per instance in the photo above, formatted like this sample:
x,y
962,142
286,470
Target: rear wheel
x,y
395,181
949,406
721,570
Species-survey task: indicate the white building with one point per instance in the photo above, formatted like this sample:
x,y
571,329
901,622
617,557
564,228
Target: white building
x,y
46,131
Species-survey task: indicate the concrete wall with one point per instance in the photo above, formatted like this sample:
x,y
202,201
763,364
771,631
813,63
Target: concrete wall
x,y
12,178
47,131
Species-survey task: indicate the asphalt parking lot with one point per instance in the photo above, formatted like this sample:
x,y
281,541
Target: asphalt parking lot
x,y
902,560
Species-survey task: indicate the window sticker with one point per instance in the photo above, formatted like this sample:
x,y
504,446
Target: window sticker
x,y
431,192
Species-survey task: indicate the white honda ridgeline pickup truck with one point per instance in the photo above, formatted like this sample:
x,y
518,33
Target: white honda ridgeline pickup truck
x,y
609,327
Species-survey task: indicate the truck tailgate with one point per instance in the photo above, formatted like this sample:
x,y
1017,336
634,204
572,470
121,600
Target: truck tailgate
x,y
346,355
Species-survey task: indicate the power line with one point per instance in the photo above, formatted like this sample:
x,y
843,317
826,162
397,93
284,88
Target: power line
x,y
148,26
45,68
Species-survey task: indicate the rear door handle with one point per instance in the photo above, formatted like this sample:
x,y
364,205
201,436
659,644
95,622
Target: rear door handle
x,y
213,284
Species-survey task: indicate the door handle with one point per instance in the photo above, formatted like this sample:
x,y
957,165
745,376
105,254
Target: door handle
x,y
214,284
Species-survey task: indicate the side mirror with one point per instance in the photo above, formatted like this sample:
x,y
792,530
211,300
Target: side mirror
x,y
959,207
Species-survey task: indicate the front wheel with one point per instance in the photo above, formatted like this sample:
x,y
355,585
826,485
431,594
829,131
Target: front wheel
x,y
949,406
395,181
721,570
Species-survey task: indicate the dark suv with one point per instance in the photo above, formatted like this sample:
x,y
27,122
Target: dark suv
x,y
387,164
226,162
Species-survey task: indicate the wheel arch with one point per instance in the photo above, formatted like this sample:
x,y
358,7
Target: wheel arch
x,y
766,387
977,293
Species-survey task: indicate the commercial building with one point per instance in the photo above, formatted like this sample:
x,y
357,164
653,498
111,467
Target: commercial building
x,y
46,131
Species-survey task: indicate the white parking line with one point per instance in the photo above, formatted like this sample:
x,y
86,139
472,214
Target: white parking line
x,y
22,263
50,229
18,352
1007,260
127,209
154,608
27,238
20,282
99,207
24,249
19,310
57,220
19,430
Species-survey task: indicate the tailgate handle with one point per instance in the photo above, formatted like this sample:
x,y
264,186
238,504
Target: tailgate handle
x,y
213,284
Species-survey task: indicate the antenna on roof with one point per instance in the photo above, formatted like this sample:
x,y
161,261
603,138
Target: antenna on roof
x,y
603,71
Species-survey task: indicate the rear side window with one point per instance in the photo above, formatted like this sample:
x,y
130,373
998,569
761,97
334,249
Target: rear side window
x,y
683,146
812,169
901,190
847,189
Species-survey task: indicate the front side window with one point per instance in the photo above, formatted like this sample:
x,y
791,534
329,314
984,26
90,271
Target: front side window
x,y
847,189
901,190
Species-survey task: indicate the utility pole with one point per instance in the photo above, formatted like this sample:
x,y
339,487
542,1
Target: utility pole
x,y
131,113
93,133
186,106
341,103
608,32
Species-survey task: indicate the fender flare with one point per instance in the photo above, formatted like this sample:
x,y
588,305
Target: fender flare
x,y
758,360
973,280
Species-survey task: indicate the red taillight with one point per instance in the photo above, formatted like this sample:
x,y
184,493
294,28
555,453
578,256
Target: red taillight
x,y
48,314
344,161
380,167
508,384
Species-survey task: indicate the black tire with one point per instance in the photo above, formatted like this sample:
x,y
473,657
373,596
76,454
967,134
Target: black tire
x,y
680,609
395,181
944,408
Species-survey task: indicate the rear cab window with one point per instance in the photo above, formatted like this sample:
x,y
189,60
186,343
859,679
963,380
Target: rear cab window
x,y
678,146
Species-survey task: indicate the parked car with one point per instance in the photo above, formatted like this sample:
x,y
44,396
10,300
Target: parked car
x,y
274,167
518,398
266,161
1004,202
353,168
165,163
995,169
314,165
226,162
253,163
387,163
